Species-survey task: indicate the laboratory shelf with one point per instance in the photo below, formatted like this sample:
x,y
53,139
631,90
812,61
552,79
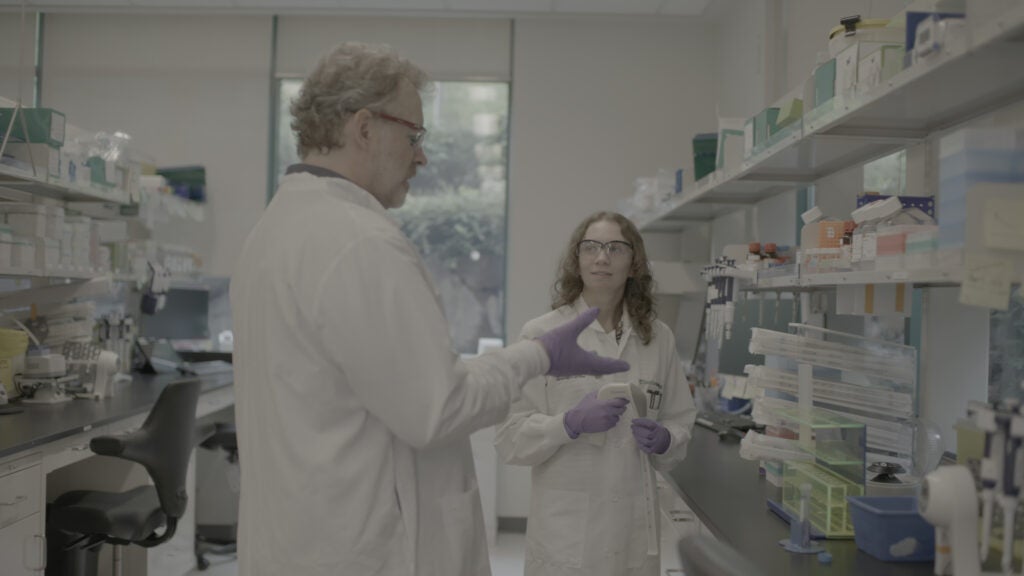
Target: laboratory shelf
x,y
946,276
25,185
931,96
70,273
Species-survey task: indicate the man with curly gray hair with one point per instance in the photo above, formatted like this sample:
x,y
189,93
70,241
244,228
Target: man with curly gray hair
x,y
353,410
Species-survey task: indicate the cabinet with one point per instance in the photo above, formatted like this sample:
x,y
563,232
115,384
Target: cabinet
x,y
22,544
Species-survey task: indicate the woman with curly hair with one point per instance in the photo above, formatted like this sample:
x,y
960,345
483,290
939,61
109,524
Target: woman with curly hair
x,y
588,513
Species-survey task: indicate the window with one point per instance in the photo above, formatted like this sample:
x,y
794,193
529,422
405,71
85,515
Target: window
x,y
455,213
888,175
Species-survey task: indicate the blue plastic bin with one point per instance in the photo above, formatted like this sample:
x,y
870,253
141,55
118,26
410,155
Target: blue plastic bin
x,y
891,529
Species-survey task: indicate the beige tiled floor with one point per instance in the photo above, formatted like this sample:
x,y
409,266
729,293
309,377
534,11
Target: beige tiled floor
x,y
506,558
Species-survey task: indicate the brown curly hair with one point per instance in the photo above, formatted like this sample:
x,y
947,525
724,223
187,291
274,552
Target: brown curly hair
x,y
638,296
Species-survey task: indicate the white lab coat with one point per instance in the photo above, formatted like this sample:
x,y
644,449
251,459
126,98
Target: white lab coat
x,y
353,410
587,512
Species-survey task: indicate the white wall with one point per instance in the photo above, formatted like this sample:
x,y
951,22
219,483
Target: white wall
x,y
447,49
741,28
189,89
17,63
595,103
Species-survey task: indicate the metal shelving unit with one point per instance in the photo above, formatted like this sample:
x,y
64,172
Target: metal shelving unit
x,y
947,276
22,186
66,273
929,97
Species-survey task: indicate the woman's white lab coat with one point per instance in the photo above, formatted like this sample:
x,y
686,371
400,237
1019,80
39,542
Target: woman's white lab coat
x,y
353,410
587,508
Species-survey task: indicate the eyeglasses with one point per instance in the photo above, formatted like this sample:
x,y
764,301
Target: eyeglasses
x,y
615,249
418,134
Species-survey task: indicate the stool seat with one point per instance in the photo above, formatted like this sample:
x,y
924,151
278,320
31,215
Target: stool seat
x,y
130,516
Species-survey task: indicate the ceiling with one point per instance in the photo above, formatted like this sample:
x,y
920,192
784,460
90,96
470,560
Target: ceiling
x,y
439,8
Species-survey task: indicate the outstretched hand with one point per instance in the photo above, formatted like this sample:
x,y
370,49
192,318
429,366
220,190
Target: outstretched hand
x,y
568,359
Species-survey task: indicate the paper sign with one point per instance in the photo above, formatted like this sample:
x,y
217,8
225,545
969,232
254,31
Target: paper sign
x,y
987,281
1004,223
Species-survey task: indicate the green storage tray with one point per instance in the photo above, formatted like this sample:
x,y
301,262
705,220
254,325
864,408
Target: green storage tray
x,y
45,125
705,152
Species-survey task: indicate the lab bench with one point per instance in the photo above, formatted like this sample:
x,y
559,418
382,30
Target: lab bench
x,y
730,500
44,451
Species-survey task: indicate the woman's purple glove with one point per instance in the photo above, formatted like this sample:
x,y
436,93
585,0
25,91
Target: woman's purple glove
x,y
568,359
652,437
592,415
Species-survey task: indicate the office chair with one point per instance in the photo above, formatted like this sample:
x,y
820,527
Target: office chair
x,y
702,555
79,522
218,538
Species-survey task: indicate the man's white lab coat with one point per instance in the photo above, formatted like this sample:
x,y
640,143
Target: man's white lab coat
x,y
353,410
587,507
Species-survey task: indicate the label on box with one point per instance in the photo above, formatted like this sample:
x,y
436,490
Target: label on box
x,y
987,281
1004,223
56,127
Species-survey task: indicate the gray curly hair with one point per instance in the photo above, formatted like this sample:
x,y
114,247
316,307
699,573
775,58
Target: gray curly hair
x,y
351,77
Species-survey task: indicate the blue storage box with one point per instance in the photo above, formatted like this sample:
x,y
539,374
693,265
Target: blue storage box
x,y
891,529
925,204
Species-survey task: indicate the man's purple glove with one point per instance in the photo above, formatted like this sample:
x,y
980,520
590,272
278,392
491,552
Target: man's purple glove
x,y
652,437
592,415
568,359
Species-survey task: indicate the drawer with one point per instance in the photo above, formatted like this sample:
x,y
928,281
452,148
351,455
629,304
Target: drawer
x,y
23,548
20,495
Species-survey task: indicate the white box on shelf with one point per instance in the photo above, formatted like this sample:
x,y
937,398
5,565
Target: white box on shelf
x,y
6,243
731,143
846,71
47,253
869,39
879,67
23,252
45,158
874,299
54,222
25,219
112,231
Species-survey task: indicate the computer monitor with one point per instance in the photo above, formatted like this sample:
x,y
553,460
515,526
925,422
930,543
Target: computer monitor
x,y
185,316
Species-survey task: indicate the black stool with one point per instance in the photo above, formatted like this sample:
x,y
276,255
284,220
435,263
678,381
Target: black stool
x,y
81,521
218,538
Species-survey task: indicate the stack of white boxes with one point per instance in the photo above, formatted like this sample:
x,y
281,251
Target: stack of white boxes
x,y
31,239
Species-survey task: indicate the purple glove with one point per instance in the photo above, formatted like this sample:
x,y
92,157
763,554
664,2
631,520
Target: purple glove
x,y
652,437
593,415
568,359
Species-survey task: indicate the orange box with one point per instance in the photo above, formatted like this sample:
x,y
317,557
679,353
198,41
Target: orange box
x,y
830,233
